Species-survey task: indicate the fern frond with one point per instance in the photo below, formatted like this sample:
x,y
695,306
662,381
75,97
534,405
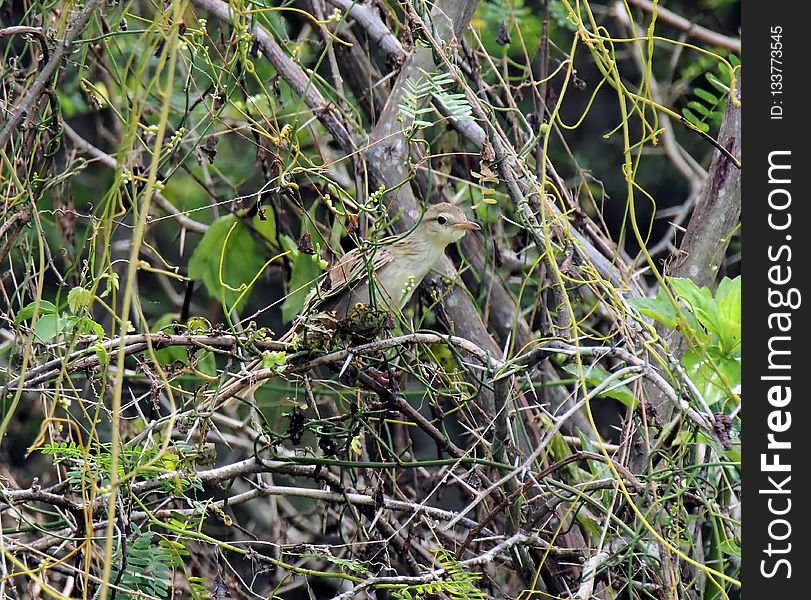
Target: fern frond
x,y
706,108
148,565
457,582
418,94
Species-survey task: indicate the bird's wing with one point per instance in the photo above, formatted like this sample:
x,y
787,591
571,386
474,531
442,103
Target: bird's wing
x,y
348,274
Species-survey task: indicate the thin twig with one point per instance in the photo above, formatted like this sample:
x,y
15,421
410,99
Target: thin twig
x,y
77,25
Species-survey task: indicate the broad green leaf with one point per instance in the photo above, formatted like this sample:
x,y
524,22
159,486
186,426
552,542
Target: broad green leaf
x,y
242,258
728,298
166,356
558,448
45,308
49,326
206,363
700,302
706,370
730,368
730,548
590,524
304,275
659,309
265,225
734,453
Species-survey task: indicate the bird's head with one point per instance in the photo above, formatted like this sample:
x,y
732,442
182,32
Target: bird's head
x,y
445,224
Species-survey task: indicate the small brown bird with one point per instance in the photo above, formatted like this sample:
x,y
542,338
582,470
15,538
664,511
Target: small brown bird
x,y
398,266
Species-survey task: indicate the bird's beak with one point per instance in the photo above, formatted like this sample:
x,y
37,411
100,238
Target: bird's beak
x,y
468,226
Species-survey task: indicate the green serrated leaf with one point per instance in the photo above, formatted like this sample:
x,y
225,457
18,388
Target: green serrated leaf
x,y
79,299
86,325
274,359
101,352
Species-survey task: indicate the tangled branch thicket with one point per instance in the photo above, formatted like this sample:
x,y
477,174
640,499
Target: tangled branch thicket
x,y
556,414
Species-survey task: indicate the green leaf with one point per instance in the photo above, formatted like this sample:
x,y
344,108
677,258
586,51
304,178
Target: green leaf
x,y
206,362
730,368
79,299
734,453
699,301
595,375
265,225
45,308
728,298
699,108
242,258
111,283
590,524
303,276
659,309
101,352
274,359
50,326
706,96
725,73
706,370
730,548
166,356
699,124
690,116
716,83
84,326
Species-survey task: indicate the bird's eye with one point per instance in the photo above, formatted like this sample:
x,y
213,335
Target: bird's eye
x,y
442,220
